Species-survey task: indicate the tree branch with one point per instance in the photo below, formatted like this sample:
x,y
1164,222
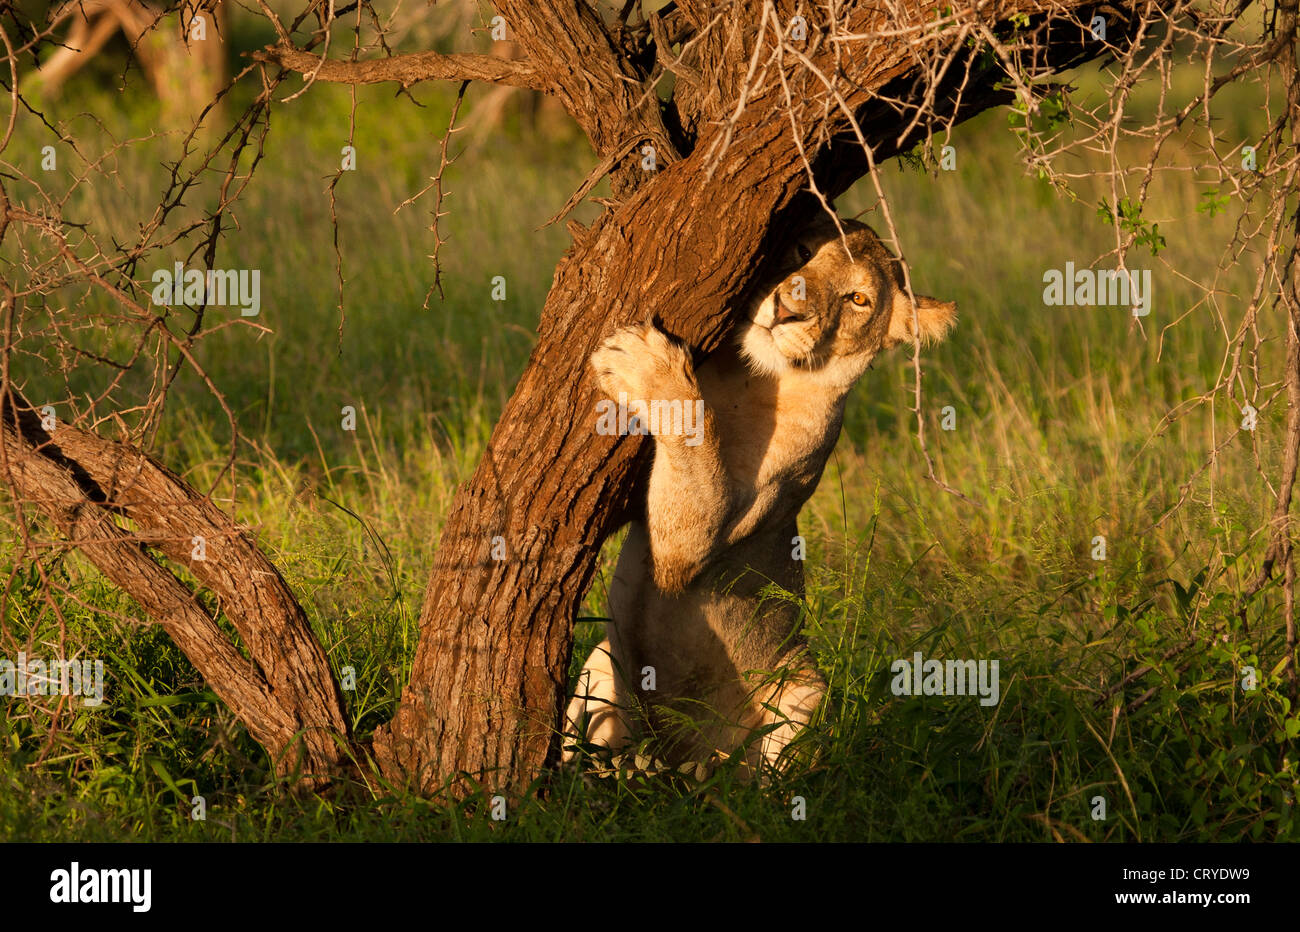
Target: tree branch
x,y
286,696
409,69
599,86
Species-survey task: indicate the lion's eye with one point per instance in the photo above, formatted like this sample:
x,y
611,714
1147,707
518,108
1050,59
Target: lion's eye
x,y
860,298
804,252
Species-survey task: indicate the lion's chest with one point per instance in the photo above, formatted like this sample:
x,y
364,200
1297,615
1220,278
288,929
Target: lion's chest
x,y
774,438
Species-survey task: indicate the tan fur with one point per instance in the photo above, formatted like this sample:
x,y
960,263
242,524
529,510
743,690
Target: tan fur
x,y
688,595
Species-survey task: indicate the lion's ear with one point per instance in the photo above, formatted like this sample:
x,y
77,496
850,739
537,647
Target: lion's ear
x,y
935,318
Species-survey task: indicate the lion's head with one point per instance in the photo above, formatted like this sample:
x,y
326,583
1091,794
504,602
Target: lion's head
x,y
837,307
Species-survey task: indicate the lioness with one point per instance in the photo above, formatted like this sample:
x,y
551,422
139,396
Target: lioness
x,y
695,656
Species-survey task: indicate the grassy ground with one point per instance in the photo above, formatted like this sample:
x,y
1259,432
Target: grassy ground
x,y
1058,438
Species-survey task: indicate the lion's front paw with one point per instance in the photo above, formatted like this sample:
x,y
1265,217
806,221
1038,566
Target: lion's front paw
x,y
643,363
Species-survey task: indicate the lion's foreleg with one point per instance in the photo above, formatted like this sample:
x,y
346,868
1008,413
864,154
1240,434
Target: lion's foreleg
x,y
689,500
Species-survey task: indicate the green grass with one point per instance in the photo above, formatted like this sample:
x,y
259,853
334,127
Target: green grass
x,y
1058,439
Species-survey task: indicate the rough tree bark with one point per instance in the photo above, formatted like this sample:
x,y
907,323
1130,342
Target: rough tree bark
x,y
684,242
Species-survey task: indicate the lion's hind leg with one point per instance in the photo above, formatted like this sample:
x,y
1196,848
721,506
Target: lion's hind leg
x,y
790,707
595,715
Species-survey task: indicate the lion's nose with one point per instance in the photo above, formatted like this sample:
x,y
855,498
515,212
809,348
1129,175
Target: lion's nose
x,y
784,314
